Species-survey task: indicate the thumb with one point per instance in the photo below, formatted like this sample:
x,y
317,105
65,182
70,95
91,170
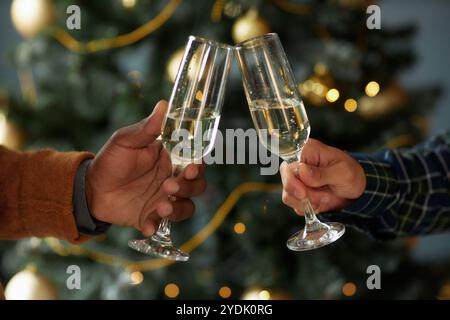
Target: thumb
x,y
143,133
316,177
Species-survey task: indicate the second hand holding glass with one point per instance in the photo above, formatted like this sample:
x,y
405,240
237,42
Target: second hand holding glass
x,y
280,118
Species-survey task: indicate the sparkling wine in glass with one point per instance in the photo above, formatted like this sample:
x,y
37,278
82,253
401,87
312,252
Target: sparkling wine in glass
x,y
191,123
278,114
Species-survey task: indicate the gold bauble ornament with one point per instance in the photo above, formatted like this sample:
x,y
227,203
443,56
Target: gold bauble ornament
x,y
128,4
390,99
31,16
248,26
29,284
194,63
173,64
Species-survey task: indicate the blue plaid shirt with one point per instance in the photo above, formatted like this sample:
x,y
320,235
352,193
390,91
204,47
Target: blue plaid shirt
x,y
407,191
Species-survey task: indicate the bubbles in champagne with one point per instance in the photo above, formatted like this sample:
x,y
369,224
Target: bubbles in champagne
x,y
285,121
189,133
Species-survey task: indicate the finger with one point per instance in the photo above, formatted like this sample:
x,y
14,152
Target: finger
x,y
143,133
323,200
180,187
297,191
317,198
150,226
313,176
182,209
316,153
164,208
318,195
177,210
194,171
291,184
292,202
191,188
300,208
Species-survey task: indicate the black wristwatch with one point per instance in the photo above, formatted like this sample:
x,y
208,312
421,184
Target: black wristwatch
x,y
86,223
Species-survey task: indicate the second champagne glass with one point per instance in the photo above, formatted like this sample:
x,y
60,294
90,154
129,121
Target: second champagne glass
x,y
191,123
278,114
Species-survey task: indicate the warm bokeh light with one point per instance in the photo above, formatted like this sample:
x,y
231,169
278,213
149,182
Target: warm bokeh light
x,y
171,290
350,105
136,277
332,95
307,85
349,289
10,135
199,95
239,228
3,128
372,89
320,69
128,3
318,89
264,295
225,292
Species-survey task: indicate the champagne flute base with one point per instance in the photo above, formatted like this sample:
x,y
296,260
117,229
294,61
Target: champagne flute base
x,y
159,249
304,241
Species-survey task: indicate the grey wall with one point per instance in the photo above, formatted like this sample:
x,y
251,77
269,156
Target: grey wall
x,y
432,45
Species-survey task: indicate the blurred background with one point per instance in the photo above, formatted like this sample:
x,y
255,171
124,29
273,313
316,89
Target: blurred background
x,y
364,90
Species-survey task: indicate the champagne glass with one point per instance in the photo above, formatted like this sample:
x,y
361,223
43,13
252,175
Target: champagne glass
x,y
278,114
191,123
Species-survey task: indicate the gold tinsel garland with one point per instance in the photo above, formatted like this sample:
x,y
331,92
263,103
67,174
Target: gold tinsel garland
x,y
120,41
217,9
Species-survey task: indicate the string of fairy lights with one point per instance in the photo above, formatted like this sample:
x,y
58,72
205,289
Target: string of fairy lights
x,y
319,89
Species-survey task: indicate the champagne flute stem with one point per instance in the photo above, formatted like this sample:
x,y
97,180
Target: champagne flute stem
x,y
163,232
311,221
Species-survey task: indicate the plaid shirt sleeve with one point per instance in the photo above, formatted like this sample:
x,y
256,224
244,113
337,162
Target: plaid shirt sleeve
x,y
407,191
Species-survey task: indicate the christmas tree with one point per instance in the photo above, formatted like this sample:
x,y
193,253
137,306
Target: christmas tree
x,y
79,86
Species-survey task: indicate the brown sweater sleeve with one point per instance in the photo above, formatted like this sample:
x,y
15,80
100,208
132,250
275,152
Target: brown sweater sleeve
x,y
36,194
